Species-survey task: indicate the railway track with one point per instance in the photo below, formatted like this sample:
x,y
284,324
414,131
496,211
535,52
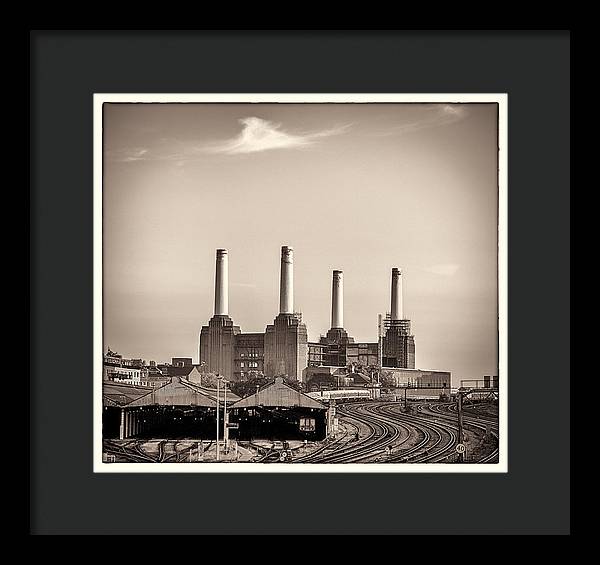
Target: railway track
x,y
386,435
483,423
440,439
136,454
381,432
133,455
326,447
430,436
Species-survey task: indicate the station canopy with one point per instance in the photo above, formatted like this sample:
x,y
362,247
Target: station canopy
x,y
279,394
177,393
211,392
121,394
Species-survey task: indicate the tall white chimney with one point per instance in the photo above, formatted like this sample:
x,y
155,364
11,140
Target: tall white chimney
x,y
337,300
286,286
222,284
397,313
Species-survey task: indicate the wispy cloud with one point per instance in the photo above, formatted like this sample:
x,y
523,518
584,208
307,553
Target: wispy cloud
x,y
255,136
261,135
447,270
436,116
128,154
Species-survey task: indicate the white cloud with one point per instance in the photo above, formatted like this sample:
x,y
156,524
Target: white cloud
x,y
447,270
261,135
436,116
256,135
128,154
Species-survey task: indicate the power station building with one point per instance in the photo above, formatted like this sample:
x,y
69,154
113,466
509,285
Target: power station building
x,y
398,343
283,349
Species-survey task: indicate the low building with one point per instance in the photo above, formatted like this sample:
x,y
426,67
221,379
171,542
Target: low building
x,y
116,368
179,409
181,361
327,378
420,383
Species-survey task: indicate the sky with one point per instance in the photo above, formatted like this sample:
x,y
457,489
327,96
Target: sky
x,y
356,187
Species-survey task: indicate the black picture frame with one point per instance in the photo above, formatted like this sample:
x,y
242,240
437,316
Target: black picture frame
x,y
68,67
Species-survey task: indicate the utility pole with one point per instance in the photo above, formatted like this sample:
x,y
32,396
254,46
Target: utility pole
x,y
379,346
459,398
225,417
218,382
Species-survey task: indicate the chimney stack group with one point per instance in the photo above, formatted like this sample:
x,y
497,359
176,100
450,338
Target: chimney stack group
x,y
286,288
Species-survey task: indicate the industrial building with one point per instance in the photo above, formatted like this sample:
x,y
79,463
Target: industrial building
x,y
337,348
281,350
184,406
284,350
394,348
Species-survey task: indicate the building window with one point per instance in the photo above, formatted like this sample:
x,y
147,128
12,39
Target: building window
x,y
242,364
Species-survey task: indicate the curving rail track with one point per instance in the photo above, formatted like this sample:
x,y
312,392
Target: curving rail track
x,y
390,435
386,434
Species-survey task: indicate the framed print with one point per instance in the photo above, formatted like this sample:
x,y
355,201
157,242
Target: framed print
x,y
281,280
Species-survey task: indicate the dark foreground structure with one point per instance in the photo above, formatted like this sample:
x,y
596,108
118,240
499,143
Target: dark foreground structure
x,y
277,411
185,410
180,409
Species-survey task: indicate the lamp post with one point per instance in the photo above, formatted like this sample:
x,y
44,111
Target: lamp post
x,y
225,418
219,380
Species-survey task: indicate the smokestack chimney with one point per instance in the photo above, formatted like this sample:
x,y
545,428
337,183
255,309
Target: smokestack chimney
x,y
286,286
337,300
397,313
222,284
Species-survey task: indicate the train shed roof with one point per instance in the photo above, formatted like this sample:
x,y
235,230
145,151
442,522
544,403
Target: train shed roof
x,y
212,392
279,394
177,393
121,394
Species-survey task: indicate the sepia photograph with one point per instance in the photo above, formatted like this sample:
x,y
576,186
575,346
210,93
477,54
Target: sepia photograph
x,y
279,260
300,283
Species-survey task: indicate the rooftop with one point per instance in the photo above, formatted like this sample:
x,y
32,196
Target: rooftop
x,y
176,393
121,394
278,393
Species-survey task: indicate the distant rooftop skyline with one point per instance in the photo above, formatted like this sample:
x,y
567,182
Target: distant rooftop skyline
x,y
361,188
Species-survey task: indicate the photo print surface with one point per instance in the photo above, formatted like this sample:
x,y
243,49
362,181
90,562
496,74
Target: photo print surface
x,y
300,283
